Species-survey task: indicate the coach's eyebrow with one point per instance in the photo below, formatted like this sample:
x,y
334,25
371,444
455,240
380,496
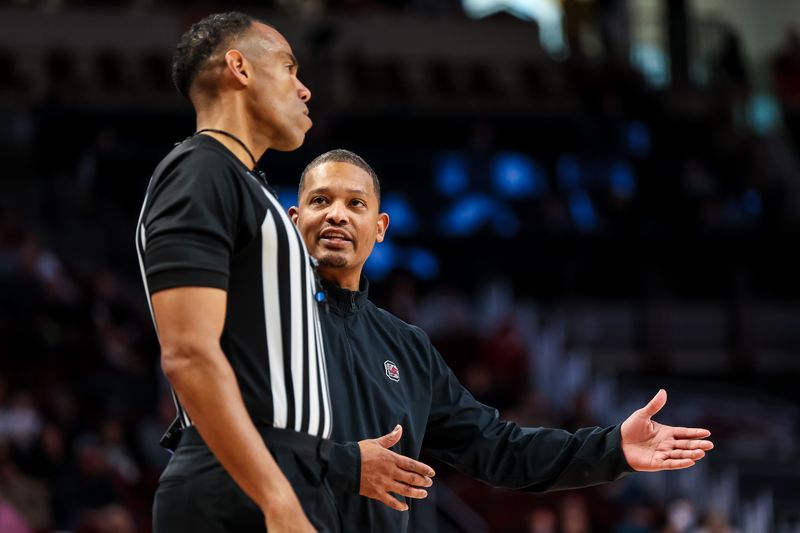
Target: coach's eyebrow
x,y
320,190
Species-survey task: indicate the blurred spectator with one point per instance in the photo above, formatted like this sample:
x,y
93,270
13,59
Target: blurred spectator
x,y
88,485
542,520
574,514
112,518
716,522
786,70
26,496
681,517
20,421
119,458
11,521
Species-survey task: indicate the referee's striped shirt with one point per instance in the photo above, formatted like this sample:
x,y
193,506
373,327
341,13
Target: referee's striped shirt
x,y
207,221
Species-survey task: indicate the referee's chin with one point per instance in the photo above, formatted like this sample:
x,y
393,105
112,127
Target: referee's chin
x,y
291,141
289,146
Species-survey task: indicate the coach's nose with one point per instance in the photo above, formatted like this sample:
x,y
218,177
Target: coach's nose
x,y
337,214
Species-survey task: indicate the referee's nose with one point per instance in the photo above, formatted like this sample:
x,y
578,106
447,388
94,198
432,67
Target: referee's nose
x,y
303,92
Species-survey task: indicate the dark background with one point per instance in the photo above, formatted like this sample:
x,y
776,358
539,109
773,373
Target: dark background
x,y
590,200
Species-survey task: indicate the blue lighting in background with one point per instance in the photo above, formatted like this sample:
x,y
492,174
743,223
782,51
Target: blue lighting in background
x,y
751,201
467,215
403,219
422,263
451,174
506,223
652,62
763,114
623,182
639,139
381,262
568,171
515,175
387,256
582,211
733,210
287,197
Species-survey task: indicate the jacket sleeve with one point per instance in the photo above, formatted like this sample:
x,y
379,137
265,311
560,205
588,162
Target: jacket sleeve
x,y
343,462
472,438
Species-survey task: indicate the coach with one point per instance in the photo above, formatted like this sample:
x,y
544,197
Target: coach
x,y
385,374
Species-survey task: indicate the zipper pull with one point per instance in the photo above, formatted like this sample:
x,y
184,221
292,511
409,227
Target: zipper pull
x,y
322,297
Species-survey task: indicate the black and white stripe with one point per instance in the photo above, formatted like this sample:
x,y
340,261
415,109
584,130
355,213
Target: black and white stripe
x,y
288,286
293,357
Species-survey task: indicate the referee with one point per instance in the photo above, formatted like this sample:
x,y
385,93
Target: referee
x,y
231,290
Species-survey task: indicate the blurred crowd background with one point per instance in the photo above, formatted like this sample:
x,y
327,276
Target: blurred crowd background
x,y
590,200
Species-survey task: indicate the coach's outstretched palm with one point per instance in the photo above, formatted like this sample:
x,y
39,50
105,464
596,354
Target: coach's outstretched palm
x,y
649,446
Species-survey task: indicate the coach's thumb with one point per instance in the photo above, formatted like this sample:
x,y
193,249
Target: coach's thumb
x,y
656,404
390,439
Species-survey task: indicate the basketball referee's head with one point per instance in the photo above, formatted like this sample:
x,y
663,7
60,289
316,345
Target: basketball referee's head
x,y
232,65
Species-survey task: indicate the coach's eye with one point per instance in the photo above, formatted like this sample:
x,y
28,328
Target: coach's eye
x,y
317,200
358,202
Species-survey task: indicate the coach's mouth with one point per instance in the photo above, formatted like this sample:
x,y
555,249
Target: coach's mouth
x,y
335,238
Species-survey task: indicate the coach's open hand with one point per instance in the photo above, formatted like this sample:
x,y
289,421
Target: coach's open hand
x,y
649,446
383,472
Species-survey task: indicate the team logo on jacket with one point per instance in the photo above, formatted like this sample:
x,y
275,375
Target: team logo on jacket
x,y
392,372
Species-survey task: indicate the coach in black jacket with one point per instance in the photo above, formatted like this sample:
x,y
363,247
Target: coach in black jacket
x,y
384,373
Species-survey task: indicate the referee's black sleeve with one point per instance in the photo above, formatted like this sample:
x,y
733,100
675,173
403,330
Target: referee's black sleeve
x,y
191,224
471,437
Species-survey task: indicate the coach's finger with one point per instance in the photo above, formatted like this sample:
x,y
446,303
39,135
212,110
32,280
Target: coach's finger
x,y
677,464
390,501
694,455
694,445
411,465
404,490
690,433
410,478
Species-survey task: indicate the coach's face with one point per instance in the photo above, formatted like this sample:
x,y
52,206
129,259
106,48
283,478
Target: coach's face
x,y
339,219
276,97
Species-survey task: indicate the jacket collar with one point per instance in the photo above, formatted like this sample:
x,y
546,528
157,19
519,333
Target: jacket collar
x,y
344,300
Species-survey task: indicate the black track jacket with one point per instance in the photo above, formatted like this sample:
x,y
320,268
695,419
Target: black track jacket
x,y
383,371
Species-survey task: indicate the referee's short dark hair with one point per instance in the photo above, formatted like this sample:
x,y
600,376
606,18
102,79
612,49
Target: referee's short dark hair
x,y
341,156
201,41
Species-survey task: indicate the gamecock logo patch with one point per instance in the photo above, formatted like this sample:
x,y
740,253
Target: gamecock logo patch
x,y
392,372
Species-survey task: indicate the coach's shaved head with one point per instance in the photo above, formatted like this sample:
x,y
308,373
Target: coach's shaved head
x,y
341,156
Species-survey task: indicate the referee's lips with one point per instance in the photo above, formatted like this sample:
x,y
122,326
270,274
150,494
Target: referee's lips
x,y
335,238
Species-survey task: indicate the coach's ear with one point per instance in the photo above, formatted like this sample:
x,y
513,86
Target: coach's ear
x,y
383,225
293,214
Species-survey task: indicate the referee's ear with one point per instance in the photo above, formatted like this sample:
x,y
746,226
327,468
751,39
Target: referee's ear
x,y
293,214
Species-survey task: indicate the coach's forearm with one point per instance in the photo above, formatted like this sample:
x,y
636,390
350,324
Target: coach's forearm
x,y
206,386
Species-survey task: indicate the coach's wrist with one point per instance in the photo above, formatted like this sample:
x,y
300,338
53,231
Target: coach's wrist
x,y
344,466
